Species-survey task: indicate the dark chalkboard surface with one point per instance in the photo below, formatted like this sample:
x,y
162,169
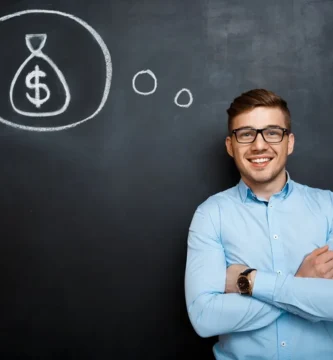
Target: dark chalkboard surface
x,y
97,199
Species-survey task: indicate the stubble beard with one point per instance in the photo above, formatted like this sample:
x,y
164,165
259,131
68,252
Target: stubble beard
x,y
261,176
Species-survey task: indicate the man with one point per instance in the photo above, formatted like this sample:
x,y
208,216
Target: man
x,y
259,263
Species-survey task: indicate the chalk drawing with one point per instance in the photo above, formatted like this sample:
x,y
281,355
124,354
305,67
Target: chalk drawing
x,y
149,72
190,98
35,75
108,68
37,86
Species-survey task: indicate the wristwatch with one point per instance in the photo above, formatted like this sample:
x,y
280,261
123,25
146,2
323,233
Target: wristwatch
x,y
244,283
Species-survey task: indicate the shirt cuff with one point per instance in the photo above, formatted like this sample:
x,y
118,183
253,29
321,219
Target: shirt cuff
x,y
264,285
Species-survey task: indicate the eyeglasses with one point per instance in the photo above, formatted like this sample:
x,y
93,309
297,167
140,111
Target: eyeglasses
x,y
271,134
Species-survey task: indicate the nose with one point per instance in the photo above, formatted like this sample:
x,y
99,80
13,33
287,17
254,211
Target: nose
x,y
259,143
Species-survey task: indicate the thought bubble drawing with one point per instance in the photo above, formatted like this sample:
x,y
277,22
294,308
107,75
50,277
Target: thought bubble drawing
x,y
40,93
143,72
190,101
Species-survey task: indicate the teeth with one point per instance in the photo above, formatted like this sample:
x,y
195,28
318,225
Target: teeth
x,y
260,160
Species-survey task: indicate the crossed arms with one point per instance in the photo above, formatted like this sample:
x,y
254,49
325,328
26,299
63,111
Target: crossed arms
x,y
215,308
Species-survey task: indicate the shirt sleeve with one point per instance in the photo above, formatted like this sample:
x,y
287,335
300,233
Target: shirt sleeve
x,y
211,311
310,298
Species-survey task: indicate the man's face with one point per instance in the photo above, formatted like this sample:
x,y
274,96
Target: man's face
x,y
262,173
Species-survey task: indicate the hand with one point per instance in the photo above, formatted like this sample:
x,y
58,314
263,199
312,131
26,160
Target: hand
x,y
232,274
318,264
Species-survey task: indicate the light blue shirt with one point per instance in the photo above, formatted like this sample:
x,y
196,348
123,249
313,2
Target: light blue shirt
x,y
286,317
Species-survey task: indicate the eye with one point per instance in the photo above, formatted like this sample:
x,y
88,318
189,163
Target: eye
x,y
245,133
273,132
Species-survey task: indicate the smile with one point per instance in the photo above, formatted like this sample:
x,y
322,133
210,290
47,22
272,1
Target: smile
x,y
261,162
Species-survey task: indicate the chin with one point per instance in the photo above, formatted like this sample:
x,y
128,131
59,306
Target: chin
x,y
261,177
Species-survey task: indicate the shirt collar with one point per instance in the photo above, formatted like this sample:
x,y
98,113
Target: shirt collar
x,y
245,192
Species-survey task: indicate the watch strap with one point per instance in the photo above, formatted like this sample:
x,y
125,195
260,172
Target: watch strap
x,y
247,271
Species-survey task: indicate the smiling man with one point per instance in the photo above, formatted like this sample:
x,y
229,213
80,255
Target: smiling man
x,y
259,263
261,162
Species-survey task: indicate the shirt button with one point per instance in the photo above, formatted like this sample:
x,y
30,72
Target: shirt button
x,y
283,343
275,237
270,206
279,272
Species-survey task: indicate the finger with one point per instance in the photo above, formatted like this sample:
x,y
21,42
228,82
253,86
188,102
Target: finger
x,y
325,257
325,268
320,250
329,275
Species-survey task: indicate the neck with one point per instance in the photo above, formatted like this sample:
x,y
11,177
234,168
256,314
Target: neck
x,y
266,190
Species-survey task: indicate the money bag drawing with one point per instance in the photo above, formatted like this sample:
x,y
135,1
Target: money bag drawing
x,y
40,92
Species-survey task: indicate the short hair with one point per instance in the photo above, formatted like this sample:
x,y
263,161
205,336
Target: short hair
x,y
251,99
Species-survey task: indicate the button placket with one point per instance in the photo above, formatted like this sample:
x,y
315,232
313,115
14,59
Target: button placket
x,y
276,243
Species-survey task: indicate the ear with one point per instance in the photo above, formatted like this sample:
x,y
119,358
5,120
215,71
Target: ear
x,y
228,144
291,143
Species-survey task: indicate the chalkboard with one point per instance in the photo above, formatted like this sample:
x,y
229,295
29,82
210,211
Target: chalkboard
x,y
112,128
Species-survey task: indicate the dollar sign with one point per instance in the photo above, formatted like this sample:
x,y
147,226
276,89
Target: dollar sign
x,y
37,86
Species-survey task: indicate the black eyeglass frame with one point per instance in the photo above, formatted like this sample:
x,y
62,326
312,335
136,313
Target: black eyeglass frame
x,y
260,131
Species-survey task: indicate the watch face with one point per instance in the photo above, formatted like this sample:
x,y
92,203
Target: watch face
x,y
243,284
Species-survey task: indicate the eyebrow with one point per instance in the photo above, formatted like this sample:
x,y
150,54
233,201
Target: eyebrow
x,y
267,126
